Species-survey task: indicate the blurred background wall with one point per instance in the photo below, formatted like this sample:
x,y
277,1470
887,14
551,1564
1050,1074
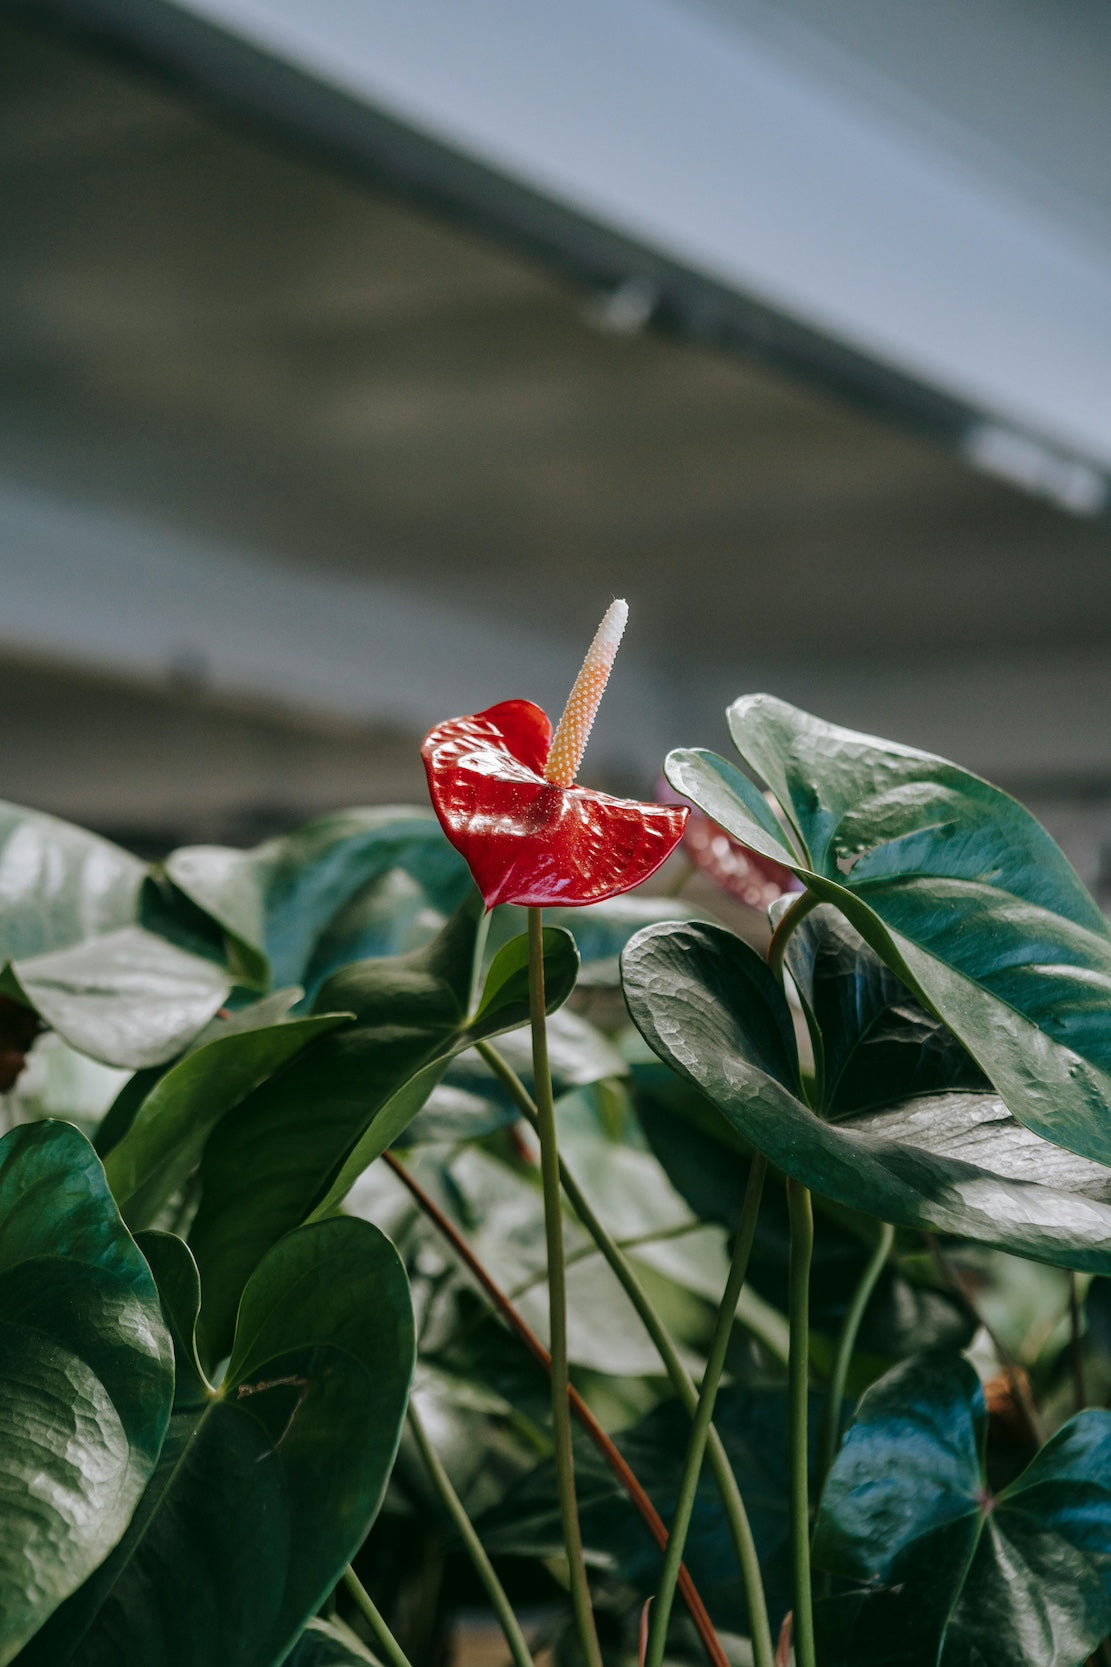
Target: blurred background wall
x,y
354,356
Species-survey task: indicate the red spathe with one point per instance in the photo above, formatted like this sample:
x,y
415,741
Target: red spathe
x,y
524,839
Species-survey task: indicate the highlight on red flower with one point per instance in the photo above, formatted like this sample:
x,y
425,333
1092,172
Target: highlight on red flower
x,y
503,790
746,875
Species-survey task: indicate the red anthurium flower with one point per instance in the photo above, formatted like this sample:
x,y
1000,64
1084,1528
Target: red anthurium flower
x,y
503,789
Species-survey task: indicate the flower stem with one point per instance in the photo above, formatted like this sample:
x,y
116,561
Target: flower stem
x,y
681,1380
798,1376
384,1641
798,910
700,1429
846,1343
1076,1347
464,1527
557,1295
640,1500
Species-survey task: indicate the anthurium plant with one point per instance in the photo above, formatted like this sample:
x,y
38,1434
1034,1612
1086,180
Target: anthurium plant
x,y
412,1219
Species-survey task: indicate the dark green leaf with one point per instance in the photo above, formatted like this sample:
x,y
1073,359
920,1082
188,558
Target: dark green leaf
x,y
504,1002
329,1644
271,1010
266,1486
875,1043
298,1142
703,1157
86,1374
958,890
179,1291
944,1573
171,1124
706,1003
295,903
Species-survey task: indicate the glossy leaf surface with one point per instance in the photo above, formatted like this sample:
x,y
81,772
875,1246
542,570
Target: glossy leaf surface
x,y
265,1487
955,886
86,1374
707,1005
524,839
76,944
299,1141
310,901
169,1129
945,1575
874,1044
329,1644
699,1152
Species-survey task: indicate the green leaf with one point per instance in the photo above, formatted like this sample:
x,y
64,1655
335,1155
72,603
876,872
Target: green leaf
x,y
172,1123
76,944
295,904
950,1574
601,930
128,998
266,1486
86,1374
504,1005
297,1143
958,890
707,1005
120,1115
329,1644
60,885
874,1043
699,1151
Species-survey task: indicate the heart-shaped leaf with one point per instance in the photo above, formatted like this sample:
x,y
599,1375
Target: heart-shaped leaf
x,y
708,1006
267,1485
294,905
86,1374
946,1575
298,1142
955,886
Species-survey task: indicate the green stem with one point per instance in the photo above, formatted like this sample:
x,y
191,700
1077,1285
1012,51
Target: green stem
x,y
681,1381
701,1424
846,1343
640,1500
1076,1347
798,910
464,1527
798,1382
557,1295
384,1640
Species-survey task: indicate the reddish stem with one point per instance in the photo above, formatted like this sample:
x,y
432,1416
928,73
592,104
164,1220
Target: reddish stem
x,y
650,1516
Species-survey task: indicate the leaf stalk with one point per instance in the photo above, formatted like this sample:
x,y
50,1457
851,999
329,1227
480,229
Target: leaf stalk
x,y
465,1528
681,1381
557,1296
801,1215
700,1430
